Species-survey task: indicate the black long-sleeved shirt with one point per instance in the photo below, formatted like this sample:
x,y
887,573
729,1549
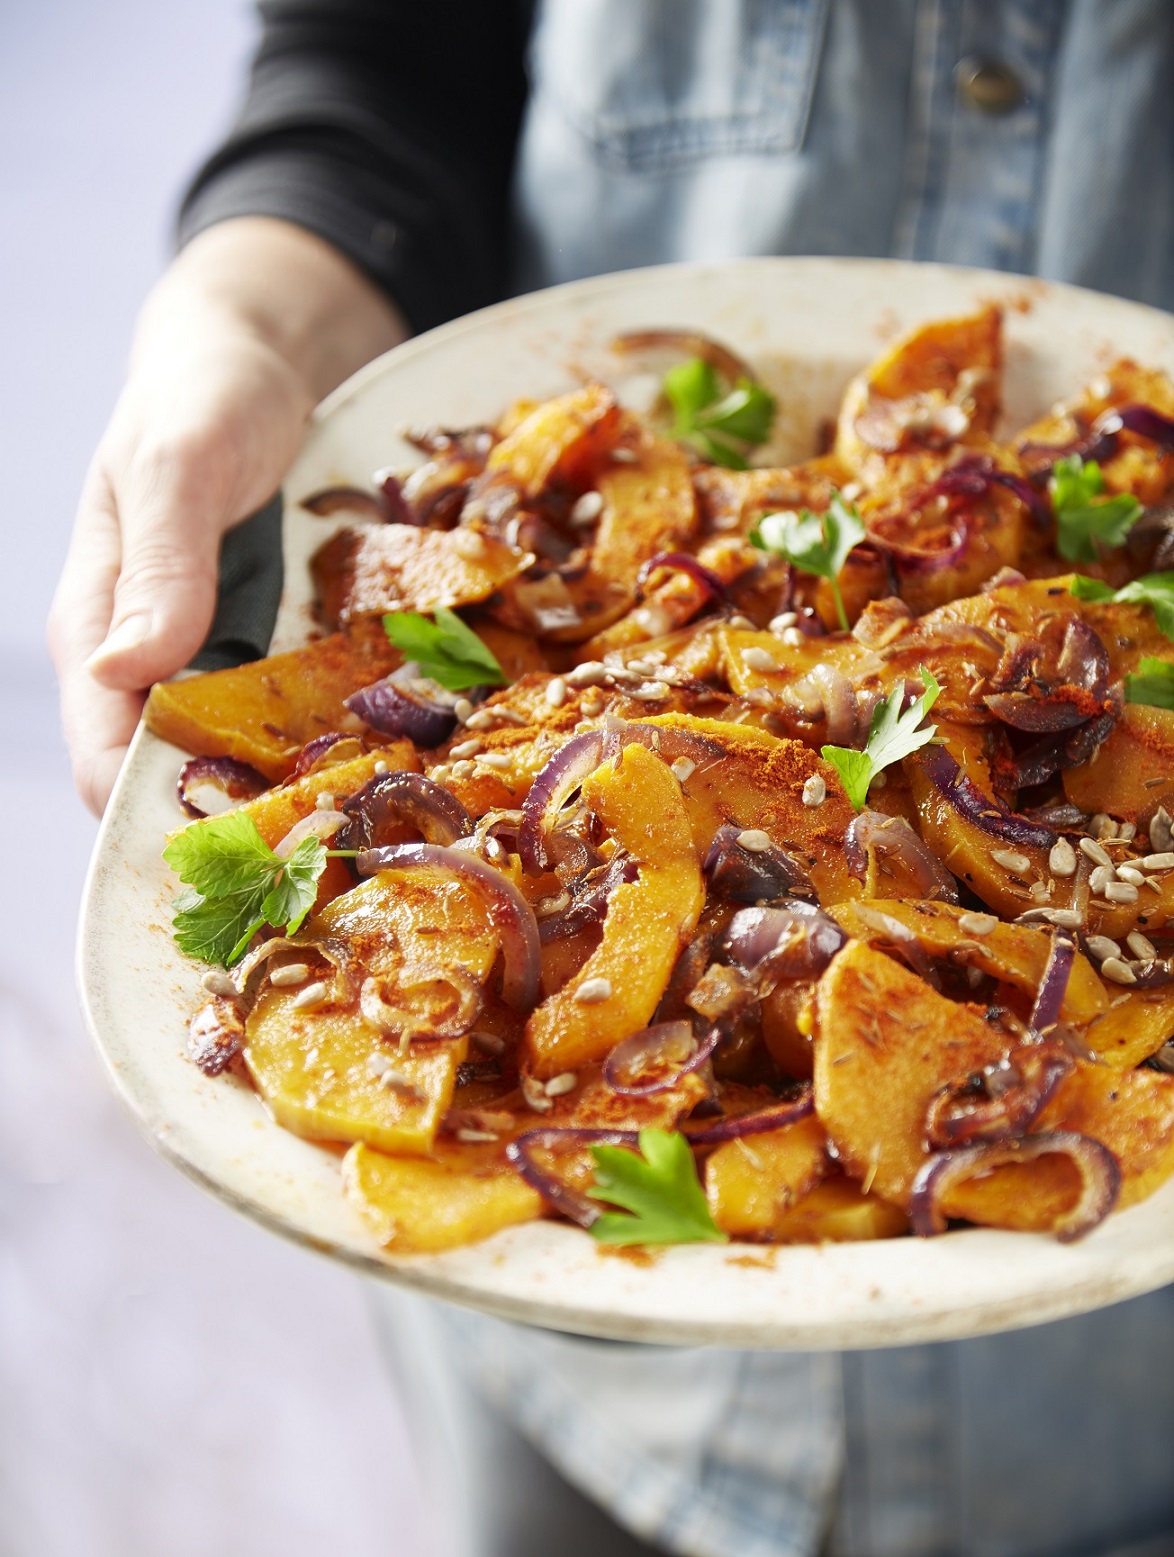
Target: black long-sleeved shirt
x,y
388,129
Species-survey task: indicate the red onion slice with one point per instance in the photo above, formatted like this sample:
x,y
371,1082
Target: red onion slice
x,y
791,940
556,782
512,915
520,1152
752,875
405,797
1100,1176
395,709
216,1034
1140,419
349,500
204,780
319,824
891,837
1044,715
1013,1096
589,894
576,761
1101,440
667,740
734,1126
984,811
1054,984
398,1016
246,976
692,343
665,1052
312,757
682,562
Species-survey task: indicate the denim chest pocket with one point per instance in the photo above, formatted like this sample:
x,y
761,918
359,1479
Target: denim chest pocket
x,y
653,86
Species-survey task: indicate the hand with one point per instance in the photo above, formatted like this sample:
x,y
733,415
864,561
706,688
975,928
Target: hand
x,y
255,322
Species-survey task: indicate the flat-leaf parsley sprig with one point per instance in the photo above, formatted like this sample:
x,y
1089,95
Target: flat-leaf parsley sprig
x,y
662,1199
891,736
1152,684
445,649
720,427
237,885
1087,520
1153,589
814,543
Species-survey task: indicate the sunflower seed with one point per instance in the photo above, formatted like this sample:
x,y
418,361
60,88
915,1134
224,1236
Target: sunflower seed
x,y
1162,831
1141,946
592,991
291,974
977,924
587,508
755,658
755,840
313,995
1117,971
815,791
1095,852
1062,859
1100,878
1100,947
1009,860
1121,892
559,1085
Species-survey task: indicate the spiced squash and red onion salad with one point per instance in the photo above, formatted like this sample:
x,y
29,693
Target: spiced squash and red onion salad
x,y
698,850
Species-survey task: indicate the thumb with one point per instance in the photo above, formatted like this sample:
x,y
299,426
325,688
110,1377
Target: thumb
x,y
171,526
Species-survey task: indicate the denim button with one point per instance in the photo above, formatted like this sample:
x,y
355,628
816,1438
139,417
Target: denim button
x,y
989,85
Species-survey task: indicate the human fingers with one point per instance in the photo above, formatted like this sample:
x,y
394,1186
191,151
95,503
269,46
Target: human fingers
x,y
98,722
178,481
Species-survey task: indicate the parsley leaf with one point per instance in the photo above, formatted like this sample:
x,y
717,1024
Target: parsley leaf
x,y
891,736
815,543
721,428
1086,520
1152,684
659,1188
445,649
237,884
1152,589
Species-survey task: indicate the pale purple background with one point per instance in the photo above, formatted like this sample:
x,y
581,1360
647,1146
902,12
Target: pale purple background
x,y
173,1381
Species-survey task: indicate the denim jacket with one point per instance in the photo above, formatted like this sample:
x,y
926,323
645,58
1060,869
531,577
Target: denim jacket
x,y
706,129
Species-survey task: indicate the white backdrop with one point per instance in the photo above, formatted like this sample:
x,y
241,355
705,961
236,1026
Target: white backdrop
x,y
173,1382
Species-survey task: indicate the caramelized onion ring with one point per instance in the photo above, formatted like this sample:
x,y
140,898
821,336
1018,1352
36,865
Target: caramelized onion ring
x,y
578,1208
667,1050
892,838
759,1122
959,1117
236,781
408,797
512,915
983,811
1100,1175
692,343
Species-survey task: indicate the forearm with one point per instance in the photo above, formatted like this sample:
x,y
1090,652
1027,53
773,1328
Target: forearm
x,y
281,288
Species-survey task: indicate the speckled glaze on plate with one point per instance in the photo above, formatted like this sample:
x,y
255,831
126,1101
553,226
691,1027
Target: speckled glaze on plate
x,y
807,325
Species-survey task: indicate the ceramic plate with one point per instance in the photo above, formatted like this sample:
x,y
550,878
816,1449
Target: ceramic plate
x,y
807,325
